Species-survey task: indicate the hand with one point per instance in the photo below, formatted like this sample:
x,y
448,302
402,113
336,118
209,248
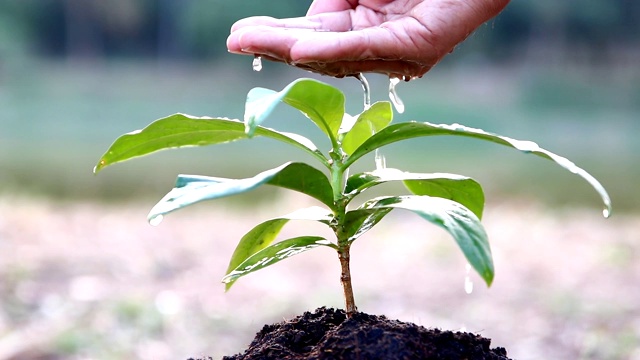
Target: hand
x,y
400,38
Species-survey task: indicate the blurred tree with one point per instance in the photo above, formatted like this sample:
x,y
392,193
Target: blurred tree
x,y
198,28
204,25
571,30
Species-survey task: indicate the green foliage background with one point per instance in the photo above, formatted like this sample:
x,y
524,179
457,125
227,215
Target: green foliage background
x,y
75,74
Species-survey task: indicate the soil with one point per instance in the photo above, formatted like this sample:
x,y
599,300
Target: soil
x,y
328,334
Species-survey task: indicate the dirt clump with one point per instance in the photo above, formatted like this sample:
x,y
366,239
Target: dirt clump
x,y
328,334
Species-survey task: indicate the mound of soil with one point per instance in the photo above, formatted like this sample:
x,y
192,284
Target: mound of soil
x,y
328,334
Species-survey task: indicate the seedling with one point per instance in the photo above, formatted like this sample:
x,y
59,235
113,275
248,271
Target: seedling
x,y
452,202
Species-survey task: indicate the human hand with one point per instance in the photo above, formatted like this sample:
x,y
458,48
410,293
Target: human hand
x,y
400,38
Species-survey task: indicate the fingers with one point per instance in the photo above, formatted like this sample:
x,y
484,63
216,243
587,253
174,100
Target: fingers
x,y
276,42
391,41
337,53
307,45
252,34
326,6
301,23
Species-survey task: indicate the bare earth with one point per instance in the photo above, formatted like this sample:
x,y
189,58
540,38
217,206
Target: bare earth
x,y
90,281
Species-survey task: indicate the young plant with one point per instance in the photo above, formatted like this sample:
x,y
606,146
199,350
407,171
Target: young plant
x,y
452,202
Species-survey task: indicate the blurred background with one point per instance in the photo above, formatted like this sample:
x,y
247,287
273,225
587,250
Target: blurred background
x,y
82,276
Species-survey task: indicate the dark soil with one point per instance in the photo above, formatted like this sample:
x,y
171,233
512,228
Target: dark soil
x,y
328,334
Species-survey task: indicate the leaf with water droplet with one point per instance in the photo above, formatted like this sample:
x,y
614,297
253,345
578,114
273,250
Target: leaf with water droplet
x,y
273,254
191,189
181,130
155,220
458,188
263,234
368,123
409,130
321,103
359,221
456,219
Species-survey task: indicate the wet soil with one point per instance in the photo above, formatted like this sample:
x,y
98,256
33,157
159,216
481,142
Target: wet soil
x,y
328,334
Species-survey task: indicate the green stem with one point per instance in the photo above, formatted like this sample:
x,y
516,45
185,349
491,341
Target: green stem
x,y
336,183
337,174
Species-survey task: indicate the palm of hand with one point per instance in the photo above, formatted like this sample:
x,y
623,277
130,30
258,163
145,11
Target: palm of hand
x,y
400,38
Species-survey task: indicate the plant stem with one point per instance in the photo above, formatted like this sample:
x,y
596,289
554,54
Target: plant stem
x,y
345,278
344,246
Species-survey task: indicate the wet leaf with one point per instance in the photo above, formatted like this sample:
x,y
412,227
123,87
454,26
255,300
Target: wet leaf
x,y
321,103
408,130
191,189
456,219
462,189
369,122
265,233
182,130
307,180
359,221
273,254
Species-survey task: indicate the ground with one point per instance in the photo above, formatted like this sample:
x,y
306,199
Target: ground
x,y
95,281
329,334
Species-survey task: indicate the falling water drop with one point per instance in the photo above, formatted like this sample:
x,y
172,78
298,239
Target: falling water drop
x,y
468,284
366,89
156,220
257,63
381,161
393,95
606,212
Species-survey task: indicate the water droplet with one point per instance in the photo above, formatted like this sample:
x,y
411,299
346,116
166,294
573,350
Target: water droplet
x,y
606,212
393,96
156,220
381,161
257,63
468,284
346,176
366,89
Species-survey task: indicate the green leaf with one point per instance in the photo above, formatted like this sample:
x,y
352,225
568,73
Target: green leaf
x,y
369,122
295,176
462,189
320,102
408,130
255,240
456,219
191,189
265,233
180,130
307,180
273,254
359,221
259,105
